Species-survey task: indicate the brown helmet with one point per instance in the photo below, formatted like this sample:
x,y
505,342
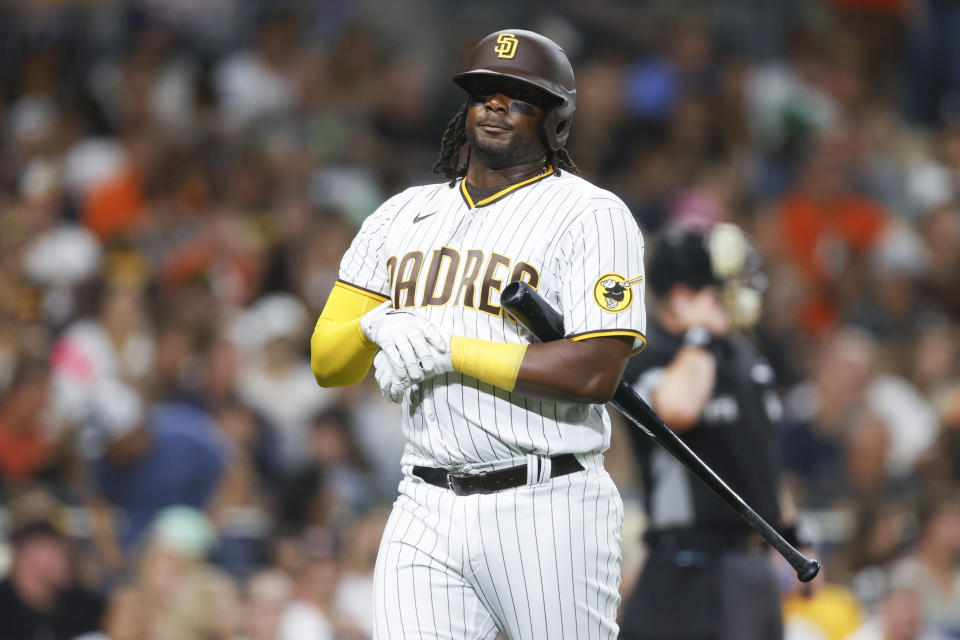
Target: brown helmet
x,y
536,60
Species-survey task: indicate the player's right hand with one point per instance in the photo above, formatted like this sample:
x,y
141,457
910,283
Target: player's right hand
x,y
415,348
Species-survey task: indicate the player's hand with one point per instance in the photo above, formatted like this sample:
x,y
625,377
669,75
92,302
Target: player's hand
x,y
393,385
415,348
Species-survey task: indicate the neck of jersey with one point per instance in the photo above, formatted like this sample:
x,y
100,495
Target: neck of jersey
x,y
478,197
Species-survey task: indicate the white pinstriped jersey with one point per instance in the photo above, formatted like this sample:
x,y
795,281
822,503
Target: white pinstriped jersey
x,y
432,249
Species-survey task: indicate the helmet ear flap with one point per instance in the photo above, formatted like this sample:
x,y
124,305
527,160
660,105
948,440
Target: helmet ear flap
x,y
555,129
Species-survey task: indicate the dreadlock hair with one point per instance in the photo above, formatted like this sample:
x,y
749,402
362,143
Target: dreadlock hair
x,y
455,136
448,164
561,160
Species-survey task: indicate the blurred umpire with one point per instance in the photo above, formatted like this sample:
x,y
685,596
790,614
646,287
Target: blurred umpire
x,y
707,575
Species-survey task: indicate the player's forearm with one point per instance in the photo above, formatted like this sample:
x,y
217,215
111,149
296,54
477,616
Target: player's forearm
x,y
569,371
685,388
340,354
563,370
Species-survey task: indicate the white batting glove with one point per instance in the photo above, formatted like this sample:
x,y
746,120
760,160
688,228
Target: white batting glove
x,y
393,385
414,347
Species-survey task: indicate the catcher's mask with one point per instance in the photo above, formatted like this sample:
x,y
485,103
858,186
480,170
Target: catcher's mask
x,y
722,257
534,59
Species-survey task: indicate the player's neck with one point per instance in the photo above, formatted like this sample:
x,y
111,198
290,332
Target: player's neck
x,y
484,177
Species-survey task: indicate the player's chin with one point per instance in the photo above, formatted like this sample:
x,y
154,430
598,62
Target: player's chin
x,y
492,143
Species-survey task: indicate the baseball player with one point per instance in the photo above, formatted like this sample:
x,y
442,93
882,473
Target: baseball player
x,y
506,520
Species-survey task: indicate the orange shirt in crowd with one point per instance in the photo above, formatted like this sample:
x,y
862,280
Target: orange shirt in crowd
x,y
22,453
821,236
113,207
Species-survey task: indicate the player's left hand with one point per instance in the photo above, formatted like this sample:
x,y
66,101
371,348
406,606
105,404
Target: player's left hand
x,y
393,384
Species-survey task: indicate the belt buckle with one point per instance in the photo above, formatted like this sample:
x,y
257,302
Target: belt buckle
x,y
453,477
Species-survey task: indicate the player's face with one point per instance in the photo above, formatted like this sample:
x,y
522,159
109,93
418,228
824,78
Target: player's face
x,y
503,121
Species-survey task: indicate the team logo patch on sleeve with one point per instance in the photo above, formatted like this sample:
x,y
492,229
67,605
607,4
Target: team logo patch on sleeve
x,y
612,292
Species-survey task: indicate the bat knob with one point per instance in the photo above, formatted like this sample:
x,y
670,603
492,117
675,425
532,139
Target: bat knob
x,y
809,571
512,291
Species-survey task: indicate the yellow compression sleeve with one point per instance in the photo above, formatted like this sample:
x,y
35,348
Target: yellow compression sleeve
x,y
495,363
340,355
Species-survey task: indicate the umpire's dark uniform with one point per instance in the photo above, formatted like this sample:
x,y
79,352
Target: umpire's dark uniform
x,y
707,575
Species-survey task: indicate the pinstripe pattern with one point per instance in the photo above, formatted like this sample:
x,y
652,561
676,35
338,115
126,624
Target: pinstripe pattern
x,y
540,561
533,562
570,231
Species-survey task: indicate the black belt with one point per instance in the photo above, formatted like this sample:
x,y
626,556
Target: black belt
x,y
465,484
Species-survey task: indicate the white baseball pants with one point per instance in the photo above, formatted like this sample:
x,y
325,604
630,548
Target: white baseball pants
x,y
534,562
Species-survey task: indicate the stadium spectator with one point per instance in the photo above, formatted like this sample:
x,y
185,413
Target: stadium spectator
x,y
276,380
115,343
27,442
169,168
170,455
267,593
827,229
933,569
205,606
310,615
900,618
125,617
355,588
41,598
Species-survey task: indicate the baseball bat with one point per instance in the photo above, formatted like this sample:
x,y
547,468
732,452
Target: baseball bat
x,y
533,312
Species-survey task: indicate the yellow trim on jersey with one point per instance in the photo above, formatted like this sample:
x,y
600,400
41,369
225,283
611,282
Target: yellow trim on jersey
x,y
379,297
340,355
612,332
499,194
496,363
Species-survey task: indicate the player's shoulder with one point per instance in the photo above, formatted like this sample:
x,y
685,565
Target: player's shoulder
x,y
409,195
593,196
596,203
396,203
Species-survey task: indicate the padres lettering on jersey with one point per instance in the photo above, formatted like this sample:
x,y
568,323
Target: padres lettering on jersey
x,y
446,267
434,249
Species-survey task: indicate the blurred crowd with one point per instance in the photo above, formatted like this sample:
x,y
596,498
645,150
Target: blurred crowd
x,y
178,181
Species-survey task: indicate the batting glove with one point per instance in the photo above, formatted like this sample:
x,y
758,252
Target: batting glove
x,y
414,347
393,385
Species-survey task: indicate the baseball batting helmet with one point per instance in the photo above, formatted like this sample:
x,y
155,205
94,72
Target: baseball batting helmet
x,y
536,60
722,257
